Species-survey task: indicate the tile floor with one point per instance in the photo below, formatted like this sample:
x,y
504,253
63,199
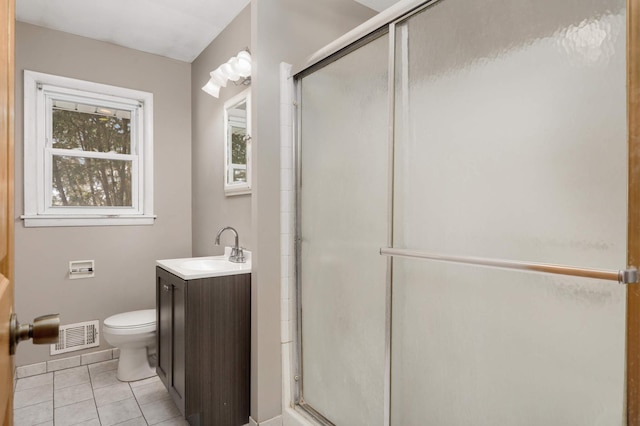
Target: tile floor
x,y
91,395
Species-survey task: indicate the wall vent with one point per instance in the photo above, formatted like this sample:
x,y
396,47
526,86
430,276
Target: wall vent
x,y
74,337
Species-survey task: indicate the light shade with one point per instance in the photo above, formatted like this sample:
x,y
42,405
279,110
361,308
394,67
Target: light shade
x,y
243,64
212,88
218,77
228,69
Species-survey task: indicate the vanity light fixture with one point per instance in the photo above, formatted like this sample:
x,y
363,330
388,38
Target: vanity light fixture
x,y
237,69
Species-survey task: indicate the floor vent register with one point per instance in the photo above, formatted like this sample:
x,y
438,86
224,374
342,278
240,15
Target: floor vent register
x,y
74,337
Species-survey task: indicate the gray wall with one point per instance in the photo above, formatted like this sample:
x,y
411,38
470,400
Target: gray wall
x,y
124,255
211,209
282,31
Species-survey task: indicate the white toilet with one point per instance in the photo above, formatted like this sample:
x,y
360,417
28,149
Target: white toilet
x,y
134,333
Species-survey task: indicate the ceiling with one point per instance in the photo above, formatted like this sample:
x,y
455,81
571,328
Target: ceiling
x,y
178,29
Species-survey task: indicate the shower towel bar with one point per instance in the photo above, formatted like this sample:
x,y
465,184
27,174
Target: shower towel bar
x,y
625,276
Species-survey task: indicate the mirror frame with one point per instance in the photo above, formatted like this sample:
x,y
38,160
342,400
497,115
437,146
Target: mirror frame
x,y
242,187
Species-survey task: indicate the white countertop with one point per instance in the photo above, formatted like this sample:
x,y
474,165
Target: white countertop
x,y
191,268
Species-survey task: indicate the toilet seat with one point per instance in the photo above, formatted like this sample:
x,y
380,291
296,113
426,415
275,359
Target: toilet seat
x,y
143,321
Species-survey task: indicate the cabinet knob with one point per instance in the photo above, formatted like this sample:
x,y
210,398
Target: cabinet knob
x,y
165,287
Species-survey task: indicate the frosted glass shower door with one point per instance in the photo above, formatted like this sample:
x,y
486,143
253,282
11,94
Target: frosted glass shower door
x,y
343,223
510,143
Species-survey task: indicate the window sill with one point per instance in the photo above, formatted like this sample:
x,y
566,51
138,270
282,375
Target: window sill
x,y
230,190
49,221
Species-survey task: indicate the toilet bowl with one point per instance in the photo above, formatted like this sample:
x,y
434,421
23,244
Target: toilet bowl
x,y
134,333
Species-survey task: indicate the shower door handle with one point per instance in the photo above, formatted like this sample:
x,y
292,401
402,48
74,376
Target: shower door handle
x,y
623,276
44,330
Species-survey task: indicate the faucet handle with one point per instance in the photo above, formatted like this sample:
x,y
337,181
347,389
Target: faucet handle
x,y
237,255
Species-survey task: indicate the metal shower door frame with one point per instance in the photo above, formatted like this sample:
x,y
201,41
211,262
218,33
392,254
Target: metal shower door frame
x,y
386,22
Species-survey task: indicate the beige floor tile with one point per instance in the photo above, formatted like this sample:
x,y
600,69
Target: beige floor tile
x,y
33,396
75,413
72,394
144,382
33,414
178,421
113,393
92,422
138,421
106,378
34,381
70,377
119,412
159,411
151,392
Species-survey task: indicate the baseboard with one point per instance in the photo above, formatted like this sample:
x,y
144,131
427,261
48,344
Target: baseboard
x,y
293,417
67,362
276,421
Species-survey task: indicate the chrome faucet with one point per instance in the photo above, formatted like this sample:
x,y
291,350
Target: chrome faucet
x,y
237,255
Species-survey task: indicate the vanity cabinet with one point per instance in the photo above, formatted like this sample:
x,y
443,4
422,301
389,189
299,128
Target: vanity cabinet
x,y
203,346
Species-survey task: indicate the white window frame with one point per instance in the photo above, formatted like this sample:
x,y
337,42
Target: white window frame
x,y
39,90
237,188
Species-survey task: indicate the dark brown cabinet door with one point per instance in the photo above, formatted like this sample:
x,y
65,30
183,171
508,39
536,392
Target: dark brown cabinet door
x,y
163,324
170,334
178,342
219,349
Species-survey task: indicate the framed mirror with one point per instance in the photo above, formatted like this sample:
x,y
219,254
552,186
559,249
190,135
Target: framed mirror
x,y
237,145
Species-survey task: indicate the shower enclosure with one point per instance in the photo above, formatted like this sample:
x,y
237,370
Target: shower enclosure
x,y
442,158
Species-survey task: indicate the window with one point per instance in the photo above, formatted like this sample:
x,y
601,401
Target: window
x,y
238,153
88,153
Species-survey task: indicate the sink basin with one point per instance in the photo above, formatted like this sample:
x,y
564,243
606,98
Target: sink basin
x,y
206,264
205,267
